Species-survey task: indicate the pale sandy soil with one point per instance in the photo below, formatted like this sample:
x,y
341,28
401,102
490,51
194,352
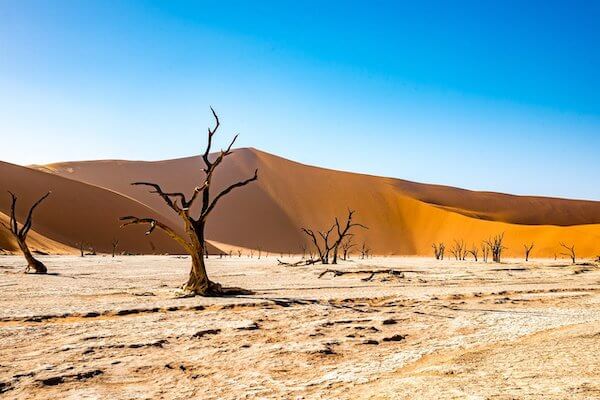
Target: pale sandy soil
x,y
113,328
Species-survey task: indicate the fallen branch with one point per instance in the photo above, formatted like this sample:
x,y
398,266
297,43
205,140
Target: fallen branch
x,y
297,263
337,272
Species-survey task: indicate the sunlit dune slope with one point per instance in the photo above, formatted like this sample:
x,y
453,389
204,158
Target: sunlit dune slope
x,y
403,217
77,212
36,242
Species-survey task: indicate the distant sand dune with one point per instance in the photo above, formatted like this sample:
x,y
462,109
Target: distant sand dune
x,y
403,217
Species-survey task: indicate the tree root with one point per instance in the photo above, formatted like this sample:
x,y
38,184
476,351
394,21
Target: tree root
x,y
213,289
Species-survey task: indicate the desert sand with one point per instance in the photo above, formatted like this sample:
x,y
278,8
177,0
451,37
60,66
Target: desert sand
x,y
404,218
104,327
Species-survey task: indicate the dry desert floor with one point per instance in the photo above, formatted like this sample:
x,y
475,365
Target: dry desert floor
x,y
114,328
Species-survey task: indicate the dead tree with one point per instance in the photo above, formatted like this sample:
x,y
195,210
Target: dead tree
x,y
81,245
528,249
303,248
438,250
364,250
344,232
496,247
347,245
459,250
20,234
570,250
485,251
114,243
474,251
193,242
323,249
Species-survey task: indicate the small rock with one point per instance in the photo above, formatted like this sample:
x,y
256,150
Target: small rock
x,y
91,314
389,321
395,338
250,327
128,312
52,381
205,332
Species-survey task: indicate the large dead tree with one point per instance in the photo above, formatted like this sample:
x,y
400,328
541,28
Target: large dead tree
x,y
194,241
528,249
570,252
21,233
343,232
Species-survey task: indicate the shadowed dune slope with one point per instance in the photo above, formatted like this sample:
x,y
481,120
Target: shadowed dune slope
x,y
77,211
403,217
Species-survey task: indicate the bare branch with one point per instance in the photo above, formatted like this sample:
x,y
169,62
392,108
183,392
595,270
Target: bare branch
x,y
165,196
131,220
27,225
226,191
210,135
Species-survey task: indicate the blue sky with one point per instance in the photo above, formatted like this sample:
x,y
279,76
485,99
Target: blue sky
x,y
501,96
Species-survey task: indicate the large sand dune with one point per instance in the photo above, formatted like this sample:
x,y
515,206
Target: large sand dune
x,y
77,211
403,217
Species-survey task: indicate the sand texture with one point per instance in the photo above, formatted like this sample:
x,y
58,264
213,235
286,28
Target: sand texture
x,y
105,327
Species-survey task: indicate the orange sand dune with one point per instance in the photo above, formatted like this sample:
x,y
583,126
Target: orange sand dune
x,y
403,217
36,242
78,212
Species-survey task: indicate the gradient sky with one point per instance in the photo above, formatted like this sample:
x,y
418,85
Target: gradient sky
x,y
501,96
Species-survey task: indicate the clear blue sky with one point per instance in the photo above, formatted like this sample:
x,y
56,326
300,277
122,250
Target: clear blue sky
x,y
501,96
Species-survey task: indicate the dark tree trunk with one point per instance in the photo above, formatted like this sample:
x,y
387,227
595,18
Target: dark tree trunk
x,y
32,263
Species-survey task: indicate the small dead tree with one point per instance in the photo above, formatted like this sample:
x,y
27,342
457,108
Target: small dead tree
x,y
114,243
81,246
323,249
193,242
347,245
485,251
528,249
20,234
474,251
496,247
438,250
343,232
570,252
364,250
459,250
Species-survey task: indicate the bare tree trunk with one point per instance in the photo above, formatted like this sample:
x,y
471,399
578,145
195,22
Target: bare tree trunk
x,y
32,262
